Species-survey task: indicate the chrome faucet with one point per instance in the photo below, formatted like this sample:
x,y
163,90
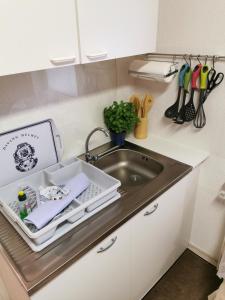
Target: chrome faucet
x,y
88,156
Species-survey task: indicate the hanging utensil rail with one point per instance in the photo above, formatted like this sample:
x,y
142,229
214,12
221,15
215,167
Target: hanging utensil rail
x,y
187,55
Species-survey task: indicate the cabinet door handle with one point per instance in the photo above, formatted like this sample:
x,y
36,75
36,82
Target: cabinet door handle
x,y
147,213
62,60
112,242
95,56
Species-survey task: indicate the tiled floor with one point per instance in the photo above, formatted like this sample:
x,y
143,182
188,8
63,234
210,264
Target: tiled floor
x,y
190,278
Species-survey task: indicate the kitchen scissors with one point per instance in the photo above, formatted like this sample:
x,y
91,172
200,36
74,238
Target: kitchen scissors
x,y
213,80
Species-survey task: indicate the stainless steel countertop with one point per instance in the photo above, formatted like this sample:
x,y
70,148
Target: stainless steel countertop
x,y
35,269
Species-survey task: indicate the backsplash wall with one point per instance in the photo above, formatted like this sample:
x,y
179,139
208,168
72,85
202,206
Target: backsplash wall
x,y
73,96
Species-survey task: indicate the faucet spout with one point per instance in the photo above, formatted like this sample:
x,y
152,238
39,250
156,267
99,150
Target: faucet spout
x,y
88,156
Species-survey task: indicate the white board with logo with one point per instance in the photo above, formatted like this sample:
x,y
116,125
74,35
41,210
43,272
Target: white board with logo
x,y
28,149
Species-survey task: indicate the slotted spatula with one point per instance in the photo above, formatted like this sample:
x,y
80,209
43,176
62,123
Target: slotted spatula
x,y
172,111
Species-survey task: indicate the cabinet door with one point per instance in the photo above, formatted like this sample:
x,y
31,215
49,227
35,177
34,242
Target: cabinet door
x,y
112,29
159,235
37,35
101,274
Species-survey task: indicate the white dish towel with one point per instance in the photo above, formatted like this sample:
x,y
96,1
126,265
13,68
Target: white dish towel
x,y
48,210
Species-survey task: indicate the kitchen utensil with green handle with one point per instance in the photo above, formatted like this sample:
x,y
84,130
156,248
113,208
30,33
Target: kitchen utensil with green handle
x,y
187,78
200,119
182,73
204,77
172,111
181,114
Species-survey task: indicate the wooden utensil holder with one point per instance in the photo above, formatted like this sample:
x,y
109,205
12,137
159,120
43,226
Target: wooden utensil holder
x,y
141,129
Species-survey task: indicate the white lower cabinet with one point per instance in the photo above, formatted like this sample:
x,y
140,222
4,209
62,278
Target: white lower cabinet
x,y
159,235
101,274
127,264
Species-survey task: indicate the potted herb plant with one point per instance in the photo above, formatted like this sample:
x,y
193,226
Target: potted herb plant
x,y
120,118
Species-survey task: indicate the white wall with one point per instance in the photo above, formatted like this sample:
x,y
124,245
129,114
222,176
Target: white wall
x,y
193,26
182,30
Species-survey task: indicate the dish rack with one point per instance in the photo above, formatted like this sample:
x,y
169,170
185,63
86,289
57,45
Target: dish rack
x,y
101,192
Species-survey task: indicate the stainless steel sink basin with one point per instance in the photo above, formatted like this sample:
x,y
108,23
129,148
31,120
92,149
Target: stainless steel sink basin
x,y
131,167
142,172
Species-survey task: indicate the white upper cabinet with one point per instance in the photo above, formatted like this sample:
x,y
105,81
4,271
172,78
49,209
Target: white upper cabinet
x,y
113,29
37,35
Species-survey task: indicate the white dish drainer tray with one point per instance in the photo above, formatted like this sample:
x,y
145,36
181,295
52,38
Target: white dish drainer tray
x,y
101,192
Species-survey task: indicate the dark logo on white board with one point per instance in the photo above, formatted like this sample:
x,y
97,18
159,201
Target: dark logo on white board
x,y
24,157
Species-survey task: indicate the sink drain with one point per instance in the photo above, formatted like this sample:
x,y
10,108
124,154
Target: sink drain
x,y
135,178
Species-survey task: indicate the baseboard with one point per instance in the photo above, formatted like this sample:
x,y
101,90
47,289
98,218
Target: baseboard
x,y
202,254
